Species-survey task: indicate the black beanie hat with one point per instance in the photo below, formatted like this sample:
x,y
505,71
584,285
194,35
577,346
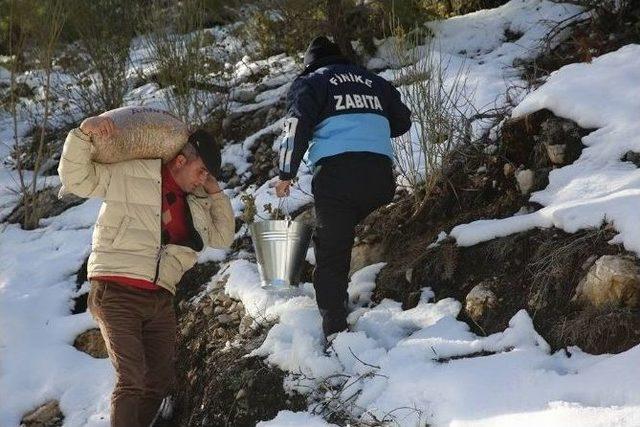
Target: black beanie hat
x,y
320,47
208,150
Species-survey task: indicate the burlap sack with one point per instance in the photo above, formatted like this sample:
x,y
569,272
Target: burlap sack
x,y
142,133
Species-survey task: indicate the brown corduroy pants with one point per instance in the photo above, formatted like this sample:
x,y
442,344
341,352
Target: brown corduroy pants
x,y
139,330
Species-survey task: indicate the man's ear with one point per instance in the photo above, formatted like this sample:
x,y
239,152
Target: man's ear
x,y
180,160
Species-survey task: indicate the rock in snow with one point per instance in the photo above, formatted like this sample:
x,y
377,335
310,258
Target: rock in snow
x,y
611,281
525,180
92,343
47,415
478,301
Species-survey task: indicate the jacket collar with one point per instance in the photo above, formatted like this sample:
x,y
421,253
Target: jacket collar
x,y
323,62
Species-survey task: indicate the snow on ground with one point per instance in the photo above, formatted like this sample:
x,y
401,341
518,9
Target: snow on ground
x,y
295,419
479,43
37,284
423,365
5,76
237,154
480,40
265,196
598,187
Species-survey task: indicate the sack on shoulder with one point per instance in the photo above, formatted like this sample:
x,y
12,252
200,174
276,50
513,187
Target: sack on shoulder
x,y
142,133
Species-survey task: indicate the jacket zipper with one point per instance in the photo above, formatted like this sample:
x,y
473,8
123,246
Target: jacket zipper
x,y
155,278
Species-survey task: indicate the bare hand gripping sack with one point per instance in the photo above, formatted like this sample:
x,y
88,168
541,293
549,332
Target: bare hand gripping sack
x,y
142,133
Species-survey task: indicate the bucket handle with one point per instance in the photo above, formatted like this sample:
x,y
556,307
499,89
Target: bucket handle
x,y
283,208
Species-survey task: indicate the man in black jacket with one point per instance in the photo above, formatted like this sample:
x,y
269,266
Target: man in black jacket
x,y
343,118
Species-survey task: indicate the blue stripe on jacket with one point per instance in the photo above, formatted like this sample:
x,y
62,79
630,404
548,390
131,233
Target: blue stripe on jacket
x,y
351,132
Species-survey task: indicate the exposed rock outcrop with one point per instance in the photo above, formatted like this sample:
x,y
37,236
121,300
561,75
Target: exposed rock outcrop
x,y
364,253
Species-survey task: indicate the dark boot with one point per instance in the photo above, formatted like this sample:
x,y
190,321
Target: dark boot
x,y
333,321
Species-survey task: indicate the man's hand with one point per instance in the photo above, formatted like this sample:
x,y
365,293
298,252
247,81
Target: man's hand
x,y
211,185
98,126
282,188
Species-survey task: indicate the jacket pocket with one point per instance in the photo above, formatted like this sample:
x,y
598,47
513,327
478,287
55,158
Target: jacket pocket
x,y
175,262
122,229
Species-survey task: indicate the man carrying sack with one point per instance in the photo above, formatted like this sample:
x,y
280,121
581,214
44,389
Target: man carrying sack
x,y
343,117
153,221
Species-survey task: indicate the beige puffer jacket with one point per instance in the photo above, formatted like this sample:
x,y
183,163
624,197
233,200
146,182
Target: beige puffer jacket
x,y
126,238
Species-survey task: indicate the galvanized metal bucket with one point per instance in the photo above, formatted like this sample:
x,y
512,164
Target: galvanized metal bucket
x,y
281,247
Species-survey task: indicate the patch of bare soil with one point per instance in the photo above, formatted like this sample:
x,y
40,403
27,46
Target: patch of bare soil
x,y
217,385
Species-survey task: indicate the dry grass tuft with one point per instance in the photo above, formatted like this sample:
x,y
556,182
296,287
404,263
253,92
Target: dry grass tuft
x,y
609,330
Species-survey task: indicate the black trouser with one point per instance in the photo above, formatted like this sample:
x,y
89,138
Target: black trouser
x,y
346,188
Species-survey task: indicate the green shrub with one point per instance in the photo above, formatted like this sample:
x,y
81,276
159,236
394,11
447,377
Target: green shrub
x,y
278,26
284,26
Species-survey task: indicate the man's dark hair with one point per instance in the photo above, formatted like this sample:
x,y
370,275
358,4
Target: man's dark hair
x,y
208,149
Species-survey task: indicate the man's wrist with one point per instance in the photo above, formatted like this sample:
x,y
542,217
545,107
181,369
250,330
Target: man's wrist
x,y
212,188
82,136
82,131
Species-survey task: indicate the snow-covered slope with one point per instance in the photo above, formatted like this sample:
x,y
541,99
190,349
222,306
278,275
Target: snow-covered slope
x,y
599,186
38,360
422,365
